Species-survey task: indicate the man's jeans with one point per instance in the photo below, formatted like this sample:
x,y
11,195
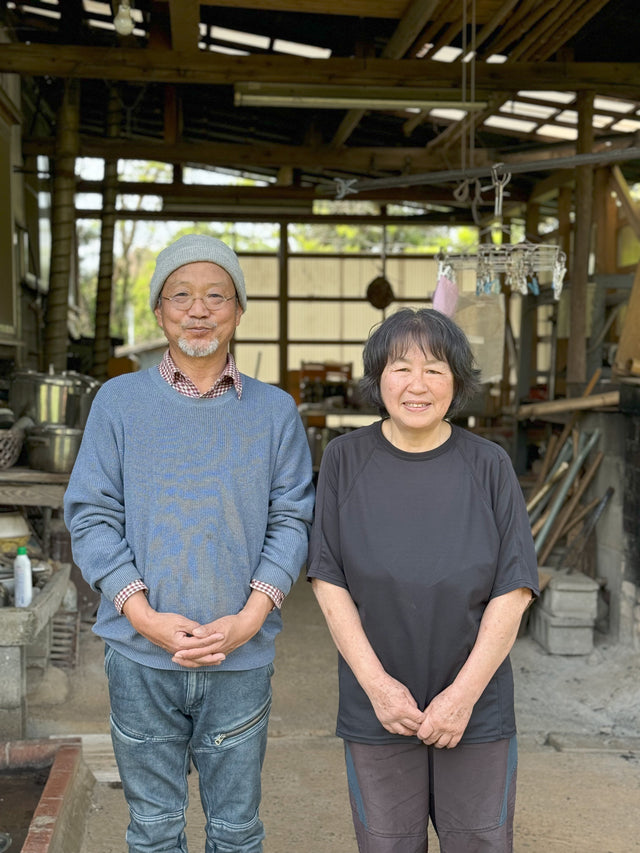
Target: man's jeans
x,y
162,718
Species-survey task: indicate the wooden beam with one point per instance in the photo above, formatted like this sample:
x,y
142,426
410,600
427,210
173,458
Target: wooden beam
x,y
475,119
606,220
550,15
548,187
412,22
171,66
573,404
185,24
629,344
630,207
357,8
494,22
565,204
577,347
572,23
367,160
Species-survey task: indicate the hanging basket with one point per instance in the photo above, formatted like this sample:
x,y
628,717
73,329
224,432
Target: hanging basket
x,y
379,293
10,447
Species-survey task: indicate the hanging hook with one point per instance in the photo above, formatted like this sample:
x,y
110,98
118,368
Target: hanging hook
x,y
499,183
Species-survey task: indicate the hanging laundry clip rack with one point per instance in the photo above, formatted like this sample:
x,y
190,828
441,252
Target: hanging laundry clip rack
x,y
520,263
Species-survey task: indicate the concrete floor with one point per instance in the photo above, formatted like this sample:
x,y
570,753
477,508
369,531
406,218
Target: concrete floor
x,y
579,724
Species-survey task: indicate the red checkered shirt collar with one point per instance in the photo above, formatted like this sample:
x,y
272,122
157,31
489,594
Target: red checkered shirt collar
x,y
177,379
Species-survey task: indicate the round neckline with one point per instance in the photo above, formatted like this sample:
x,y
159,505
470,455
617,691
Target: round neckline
x,y
419,455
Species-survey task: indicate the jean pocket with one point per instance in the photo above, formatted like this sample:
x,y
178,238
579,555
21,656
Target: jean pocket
x,y
108,654
245,730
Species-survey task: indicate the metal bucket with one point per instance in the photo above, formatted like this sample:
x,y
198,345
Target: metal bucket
x,y
53,448
53,398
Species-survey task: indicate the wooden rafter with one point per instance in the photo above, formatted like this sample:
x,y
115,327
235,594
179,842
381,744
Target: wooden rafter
x,y
569,29
619,79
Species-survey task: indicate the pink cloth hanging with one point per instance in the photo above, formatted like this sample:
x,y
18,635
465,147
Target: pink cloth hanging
x,y
445,298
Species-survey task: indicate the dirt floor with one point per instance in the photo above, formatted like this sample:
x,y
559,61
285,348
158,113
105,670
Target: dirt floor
x,y
579,741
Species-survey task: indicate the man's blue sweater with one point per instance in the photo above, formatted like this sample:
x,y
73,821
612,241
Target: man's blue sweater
x,y
195,496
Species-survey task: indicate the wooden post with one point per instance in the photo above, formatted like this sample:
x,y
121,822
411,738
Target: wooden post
x,y
628,351
577,349
606,220
565,200
62,228
102,340
283,289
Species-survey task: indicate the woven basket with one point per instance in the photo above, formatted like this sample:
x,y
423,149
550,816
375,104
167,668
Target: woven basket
x,y
10,447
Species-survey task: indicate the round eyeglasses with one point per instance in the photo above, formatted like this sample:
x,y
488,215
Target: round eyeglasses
x,y
184,301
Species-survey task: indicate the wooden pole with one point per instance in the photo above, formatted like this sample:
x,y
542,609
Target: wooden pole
x,y
568,510
102,340
596,401
606,221
577,347
56,333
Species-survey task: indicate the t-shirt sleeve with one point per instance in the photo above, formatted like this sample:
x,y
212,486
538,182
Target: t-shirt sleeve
x,y
517,559
325,559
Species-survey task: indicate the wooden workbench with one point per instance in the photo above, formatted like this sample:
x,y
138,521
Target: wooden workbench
x,y
28,487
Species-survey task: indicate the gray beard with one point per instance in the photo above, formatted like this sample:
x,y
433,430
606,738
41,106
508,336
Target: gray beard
x,y
198,350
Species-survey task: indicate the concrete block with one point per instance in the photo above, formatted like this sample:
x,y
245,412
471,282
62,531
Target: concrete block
x,y
570,595
39,648
560,635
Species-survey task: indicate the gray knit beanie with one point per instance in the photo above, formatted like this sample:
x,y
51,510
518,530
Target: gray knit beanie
x,y
192,248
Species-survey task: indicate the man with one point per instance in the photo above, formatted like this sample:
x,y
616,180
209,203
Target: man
x,y
189,507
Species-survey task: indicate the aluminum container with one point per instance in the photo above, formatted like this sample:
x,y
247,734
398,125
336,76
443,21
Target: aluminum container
x,y
53,448
53,398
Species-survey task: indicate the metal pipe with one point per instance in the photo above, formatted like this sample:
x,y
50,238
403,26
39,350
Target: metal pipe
x,y
572,473
573,161
562,459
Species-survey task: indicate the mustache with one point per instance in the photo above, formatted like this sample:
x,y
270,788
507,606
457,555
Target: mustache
x,y
198,325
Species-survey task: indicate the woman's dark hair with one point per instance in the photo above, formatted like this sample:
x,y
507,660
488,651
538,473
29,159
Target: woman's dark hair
x,y
432,332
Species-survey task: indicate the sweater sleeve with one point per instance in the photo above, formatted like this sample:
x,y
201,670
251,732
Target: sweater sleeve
x,y
94,506
290,505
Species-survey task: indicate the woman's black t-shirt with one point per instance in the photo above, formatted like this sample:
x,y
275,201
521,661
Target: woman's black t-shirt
x,y
422,542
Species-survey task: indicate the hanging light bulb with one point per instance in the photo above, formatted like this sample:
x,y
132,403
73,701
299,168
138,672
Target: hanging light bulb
x,y
123,21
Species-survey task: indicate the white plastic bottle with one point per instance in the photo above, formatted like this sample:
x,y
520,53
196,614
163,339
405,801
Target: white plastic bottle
x,y
23,580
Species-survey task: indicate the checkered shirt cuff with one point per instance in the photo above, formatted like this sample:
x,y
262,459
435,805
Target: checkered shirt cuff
x,y
127,592
276,595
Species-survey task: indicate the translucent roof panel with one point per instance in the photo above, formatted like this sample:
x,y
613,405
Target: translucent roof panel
x,y
522,108
613,105
558,132
297,49
554,97
446,54
239,37
451,115
626,125
45,13
221,48
505,123
568,116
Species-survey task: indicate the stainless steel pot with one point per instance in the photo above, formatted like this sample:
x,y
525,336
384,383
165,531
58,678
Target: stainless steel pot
x,y
53,398
53,448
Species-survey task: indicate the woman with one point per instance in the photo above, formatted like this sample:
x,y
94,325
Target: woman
x,y
423,563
